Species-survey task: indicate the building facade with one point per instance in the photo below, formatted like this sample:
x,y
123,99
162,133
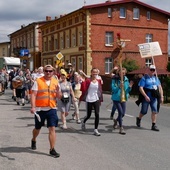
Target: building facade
x,y
87,37
28,38
5,49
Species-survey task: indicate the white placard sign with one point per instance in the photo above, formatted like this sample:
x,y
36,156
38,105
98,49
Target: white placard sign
x,y
150,49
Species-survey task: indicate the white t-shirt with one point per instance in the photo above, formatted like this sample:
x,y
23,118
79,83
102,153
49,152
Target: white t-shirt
x,y
92,92
37,75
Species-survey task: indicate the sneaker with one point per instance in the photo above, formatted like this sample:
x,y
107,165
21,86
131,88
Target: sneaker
x,y
155,128
96,133
54,154
64,126
23,104
33,145
17,103
78,121
138,121
114,123
83,126
122,131
73,116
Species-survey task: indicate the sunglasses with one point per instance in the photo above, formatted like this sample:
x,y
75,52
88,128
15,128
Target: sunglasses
x,y
152,69
50,71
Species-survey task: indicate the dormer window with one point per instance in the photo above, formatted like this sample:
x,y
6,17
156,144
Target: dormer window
x,y
136,13
122,12
109,12
148,15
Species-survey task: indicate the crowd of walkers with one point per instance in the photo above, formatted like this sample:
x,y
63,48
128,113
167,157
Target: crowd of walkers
x,y
51,90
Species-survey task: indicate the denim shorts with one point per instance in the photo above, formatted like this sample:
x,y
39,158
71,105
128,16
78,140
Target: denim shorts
x,y
145,105
50,116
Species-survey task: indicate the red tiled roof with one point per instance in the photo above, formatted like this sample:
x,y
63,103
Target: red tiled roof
x,y
145,70
109,3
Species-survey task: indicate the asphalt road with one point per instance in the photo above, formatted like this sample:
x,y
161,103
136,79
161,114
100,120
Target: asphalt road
x,y
139,149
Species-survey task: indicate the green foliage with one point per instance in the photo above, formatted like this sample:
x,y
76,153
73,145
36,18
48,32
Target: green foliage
x,y
168,66
130,65
166,89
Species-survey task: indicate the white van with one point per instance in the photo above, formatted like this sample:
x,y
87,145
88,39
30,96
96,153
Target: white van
x,y
10,62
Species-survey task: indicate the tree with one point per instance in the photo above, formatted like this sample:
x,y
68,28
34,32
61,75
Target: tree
x,y
130,65
168,66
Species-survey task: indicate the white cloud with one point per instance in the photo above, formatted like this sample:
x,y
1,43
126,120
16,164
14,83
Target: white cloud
x,y
17,12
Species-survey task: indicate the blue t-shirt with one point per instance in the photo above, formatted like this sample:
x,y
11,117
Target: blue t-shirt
x,y
149,82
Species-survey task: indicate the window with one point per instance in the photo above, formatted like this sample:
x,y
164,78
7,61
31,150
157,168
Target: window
x,y
148,62
108,65
62,43
80,63
74,40
108,38
81,38
109,12
49,45
148,15
56,43
122,12
135,13
3,51
149,38
73,61
68,41
45,46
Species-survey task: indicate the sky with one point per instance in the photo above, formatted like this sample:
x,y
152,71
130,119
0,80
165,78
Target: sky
x,y
14,13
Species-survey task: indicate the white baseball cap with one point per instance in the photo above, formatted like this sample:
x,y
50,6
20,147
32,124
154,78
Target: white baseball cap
x,y
152,67
69,64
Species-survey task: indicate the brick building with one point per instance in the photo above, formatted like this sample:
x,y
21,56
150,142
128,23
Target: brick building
x,y
87,37
29,38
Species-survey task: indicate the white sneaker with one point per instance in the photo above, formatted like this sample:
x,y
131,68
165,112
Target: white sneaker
x,y
64,126
96,133
78,121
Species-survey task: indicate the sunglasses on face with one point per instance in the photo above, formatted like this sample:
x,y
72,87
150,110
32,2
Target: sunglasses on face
x,y
152,69
50,71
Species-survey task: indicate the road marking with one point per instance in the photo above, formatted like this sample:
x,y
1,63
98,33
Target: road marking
x,y
128,115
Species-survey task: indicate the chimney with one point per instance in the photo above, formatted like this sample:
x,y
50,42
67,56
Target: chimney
x,y
56,17
108,1
48,18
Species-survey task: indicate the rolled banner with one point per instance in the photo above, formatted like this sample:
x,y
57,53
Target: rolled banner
x,y
38,116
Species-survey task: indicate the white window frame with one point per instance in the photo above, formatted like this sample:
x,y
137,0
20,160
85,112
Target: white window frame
x,y
109,38
148,62
109,12
122,12
108,65
136,13
149,38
